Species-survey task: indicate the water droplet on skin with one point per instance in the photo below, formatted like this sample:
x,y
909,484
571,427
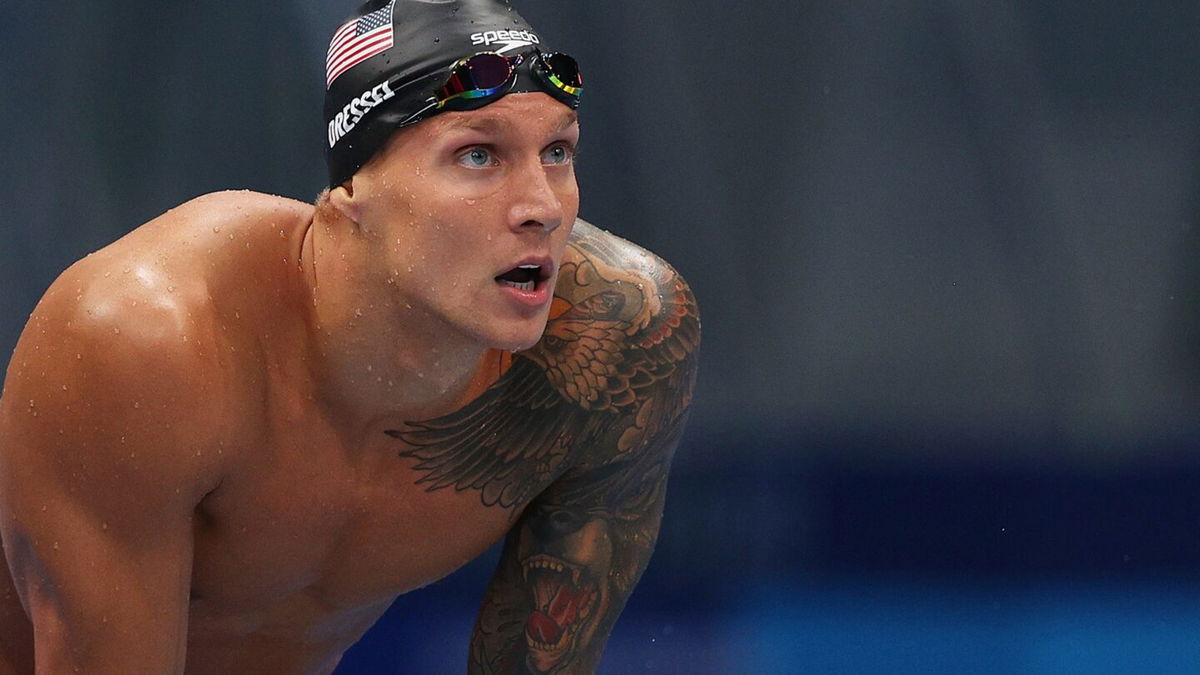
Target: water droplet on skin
x,y
216,230
437,40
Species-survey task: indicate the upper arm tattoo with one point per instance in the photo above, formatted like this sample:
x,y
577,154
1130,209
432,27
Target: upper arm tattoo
x,y
586,421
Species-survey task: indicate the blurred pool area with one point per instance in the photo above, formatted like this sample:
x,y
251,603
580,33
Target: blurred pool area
x,y
823,564
881,626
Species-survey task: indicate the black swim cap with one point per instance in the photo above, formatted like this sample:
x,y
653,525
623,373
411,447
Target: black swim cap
x,y
389,57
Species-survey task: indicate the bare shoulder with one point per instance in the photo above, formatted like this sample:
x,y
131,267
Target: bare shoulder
x,y
109,368
591,245
127,351
233,207
202,229
608,280
624,337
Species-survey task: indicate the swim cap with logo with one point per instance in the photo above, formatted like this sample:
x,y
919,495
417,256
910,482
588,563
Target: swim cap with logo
x,y
389,57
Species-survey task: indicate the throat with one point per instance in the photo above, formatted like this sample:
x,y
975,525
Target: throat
x,y
393,395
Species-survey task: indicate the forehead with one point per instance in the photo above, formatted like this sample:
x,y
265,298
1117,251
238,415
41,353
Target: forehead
x,y
535,112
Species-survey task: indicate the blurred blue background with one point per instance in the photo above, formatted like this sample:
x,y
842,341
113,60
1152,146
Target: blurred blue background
x,y
946,253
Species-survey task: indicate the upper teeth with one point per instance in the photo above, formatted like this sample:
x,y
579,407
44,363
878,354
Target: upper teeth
x,y
530,267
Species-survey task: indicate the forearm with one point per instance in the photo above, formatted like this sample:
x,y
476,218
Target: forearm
x,y
563,580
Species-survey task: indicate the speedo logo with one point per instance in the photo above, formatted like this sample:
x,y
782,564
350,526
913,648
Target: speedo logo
x,y
511,39
349,117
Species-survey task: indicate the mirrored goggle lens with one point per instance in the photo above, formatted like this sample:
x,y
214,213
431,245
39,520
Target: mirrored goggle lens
x,y
563,72
476,76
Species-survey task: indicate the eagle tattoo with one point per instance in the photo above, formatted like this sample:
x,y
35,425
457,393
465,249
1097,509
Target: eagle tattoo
x,y
609,370
581,428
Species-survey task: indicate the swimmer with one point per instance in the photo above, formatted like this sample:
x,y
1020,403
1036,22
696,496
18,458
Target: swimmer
x,y
231,438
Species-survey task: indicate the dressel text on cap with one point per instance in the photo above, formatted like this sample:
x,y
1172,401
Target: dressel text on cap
x,y
353,112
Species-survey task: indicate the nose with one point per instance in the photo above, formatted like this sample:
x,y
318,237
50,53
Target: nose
x,y
536,204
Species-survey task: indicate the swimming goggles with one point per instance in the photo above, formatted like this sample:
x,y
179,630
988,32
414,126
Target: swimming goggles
x,y
477,80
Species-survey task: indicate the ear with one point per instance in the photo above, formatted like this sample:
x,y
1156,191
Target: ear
x,y
343,199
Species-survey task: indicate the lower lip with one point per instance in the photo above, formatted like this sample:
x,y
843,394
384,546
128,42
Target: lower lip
x,y
535,298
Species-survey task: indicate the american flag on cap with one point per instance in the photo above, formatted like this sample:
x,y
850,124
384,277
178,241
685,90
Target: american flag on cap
x,y
358,40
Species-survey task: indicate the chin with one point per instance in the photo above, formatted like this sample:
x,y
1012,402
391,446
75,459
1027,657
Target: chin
x,y
516,343
519,336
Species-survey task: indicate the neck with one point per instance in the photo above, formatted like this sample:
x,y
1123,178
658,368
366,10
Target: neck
x,y
376,360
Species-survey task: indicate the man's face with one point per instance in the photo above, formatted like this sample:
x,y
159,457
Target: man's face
x,y
470,213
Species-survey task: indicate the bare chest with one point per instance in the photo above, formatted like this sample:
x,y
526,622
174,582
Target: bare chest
x,y
309,529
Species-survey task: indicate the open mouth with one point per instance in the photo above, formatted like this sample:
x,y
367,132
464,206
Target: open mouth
x,y
563,598
525,277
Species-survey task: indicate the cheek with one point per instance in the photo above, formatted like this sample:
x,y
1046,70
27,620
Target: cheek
x,y
569,198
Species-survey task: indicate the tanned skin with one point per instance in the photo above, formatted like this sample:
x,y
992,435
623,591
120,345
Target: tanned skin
x,y
229,440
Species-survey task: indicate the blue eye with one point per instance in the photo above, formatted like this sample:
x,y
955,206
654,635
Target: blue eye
x,y
476,158
559,154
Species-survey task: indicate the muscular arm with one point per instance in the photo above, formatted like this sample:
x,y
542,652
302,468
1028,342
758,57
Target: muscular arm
x,y
99,477
625,352
581,428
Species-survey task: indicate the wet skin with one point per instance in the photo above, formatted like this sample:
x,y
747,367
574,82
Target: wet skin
x,y
229,440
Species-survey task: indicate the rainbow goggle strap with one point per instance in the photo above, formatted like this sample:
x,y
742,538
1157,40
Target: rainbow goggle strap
x,y
479,79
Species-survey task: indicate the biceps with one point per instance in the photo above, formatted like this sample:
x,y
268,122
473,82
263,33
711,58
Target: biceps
x,y
106,589
97,602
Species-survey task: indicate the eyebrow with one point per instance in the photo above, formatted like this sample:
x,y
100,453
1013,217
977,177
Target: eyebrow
x,y
570,118
493,124
477,122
